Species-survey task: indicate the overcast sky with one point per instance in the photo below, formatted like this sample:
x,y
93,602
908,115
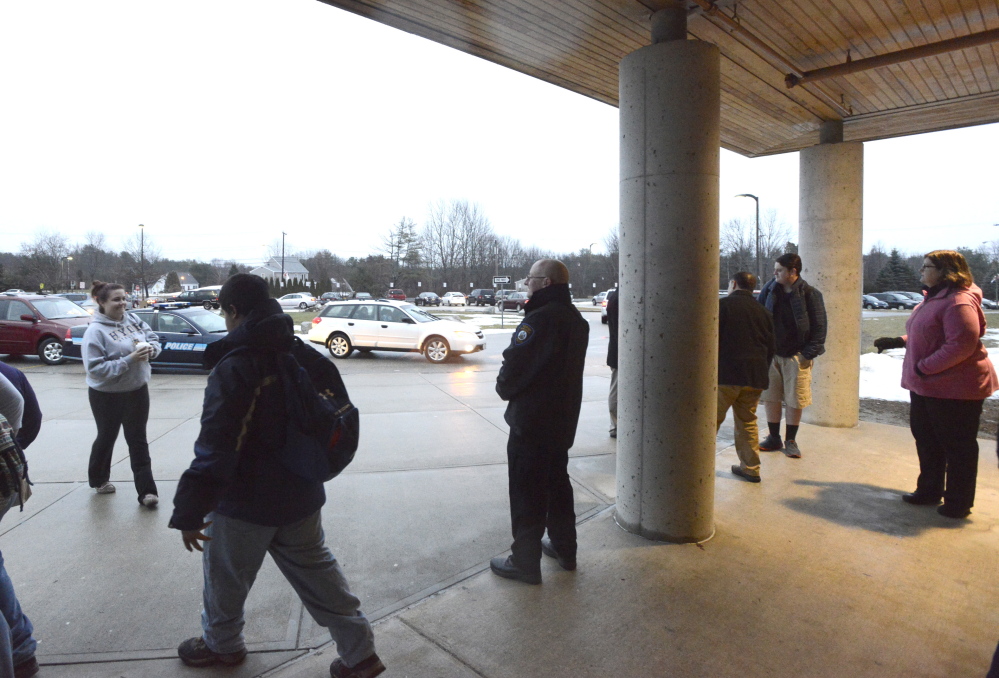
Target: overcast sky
x,y
218,124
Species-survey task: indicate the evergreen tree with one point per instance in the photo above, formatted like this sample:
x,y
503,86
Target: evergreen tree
x,y
172,283
896,275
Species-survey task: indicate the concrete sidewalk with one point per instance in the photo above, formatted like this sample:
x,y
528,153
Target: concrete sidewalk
x,y
820,570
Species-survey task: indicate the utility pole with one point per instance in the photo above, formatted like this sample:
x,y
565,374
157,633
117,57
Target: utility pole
x,y
283,234
142,259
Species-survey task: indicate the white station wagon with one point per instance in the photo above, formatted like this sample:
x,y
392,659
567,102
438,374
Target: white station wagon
x,y
344,326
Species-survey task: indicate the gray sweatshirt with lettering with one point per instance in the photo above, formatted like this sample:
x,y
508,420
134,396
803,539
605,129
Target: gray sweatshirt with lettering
x,y
107,345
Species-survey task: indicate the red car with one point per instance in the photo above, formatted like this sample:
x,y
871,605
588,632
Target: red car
x,y
32,323
395,295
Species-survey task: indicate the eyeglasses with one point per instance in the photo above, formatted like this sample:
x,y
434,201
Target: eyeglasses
x,y
926,266
539,277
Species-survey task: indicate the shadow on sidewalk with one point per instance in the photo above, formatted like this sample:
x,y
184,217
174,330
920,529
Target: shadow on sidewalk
x,y
868,507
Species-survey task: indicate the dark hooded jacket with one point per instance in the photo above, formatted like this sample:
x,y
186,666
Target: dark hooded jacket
x,y
542,372
237,470
809,313
746,345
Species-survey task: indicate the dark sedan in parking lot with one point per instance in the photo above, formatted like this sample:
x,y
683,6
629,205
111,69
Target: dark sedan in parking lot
x,y
895,300
869,301
184,334
515,301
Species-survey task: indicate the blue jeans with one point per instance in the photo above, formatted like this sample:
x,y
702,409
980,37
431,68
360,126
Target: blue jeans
x,y
232,559
16,642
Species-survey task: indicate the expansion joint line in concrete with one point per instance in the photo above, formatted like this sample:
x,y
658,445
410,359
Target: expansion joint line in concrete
x,y
157,438
441,647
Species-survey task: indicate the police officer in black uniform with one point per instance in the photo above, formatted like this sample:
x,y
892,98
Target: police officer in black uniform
x,y
542,378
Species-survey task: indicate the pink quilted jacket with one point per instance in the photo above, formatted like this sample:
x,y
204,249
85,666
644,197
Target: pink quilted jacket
x,y
944,341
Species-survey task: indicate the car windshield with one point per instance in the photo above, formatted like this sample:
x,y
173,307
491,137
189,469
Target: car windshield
x,y
418,315
59,308
208,321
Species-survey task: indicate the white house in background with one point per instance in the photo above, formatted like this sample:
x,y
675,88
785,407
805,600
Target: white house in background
x,y
293,268
187,282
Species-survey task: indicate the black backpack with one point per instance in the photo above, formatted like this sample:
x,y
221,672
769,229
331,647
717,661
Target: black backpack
x,y
323,426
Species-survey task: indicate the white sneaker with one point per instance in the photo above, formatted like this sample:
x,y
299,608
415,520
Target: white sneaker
x,y
106,488
150,501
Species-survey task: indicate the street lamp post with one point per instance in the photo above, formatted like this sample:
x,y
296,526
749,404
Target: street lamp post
x,y
65,274
142,259
750,195
283,234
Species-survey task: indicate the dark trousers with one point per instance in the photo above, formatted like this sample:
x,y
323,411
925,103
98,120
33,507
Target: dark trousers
x,y
946,433
113,411
994,668
540,498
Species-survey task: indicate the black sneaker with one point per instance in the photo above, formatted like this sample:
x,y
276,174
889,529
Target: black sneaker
x,y
951,511
195,652
505,568
549,550
369,668
920,499
745,475
26,669
771,443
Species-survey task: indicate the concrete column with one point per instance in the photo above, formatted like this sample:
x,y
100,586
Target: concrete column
x,y
668,336
830,242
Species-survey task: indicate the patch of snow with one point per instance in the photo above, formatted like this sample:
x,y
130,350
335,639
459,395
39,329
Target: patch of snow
x,y
881,376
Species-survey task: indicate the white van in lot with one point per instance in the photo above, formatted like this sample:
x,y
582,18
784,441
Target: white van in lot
x,y
380,325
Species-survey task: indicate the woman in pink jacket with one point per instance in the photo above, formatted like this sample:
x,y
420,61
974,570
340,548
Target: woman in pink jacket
x,y
949,375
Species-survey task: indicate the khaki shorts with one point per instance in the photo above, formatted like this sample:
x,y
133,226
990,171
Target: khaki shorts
x,y
790,382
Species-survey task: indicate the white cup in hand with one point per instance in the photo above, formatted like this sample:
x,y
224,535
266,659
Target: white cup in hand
x,y
146,348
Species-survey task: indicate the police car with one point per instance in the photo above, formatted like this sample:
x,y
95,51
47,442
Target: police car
x,y
184,334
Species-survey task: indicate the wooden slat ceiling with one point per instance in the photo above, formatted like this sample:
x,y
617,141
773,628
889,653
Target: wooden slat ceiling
x,y
578,44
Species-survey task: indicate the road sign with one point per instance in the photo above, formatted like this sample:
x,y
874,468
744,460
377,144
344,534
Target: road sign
x,y
501,280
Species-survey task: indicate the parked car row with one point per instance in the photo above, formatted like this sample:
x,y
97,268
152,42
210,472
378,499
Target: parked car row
x,y
897,300
871,302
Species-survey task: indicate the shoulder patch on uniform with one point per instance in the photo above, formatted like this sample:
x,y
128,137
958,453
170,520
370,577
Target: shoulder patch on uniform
x,y
522,334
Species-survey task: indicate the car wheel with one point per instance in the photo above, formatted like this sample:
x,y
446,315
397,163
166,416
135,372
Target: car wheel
x,y
519,308
604,320
437,349
339,345
50,351
207,305
303,306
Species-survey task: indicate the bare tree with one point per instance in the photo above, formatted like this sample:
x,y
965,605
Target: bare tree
x,y
93,260
612,241
738,241
43,260
219,271
441,239
141,261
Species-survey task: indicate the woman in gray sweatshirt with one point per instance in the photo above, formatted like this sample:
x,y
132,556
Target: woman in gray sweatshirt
x,y
117,348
